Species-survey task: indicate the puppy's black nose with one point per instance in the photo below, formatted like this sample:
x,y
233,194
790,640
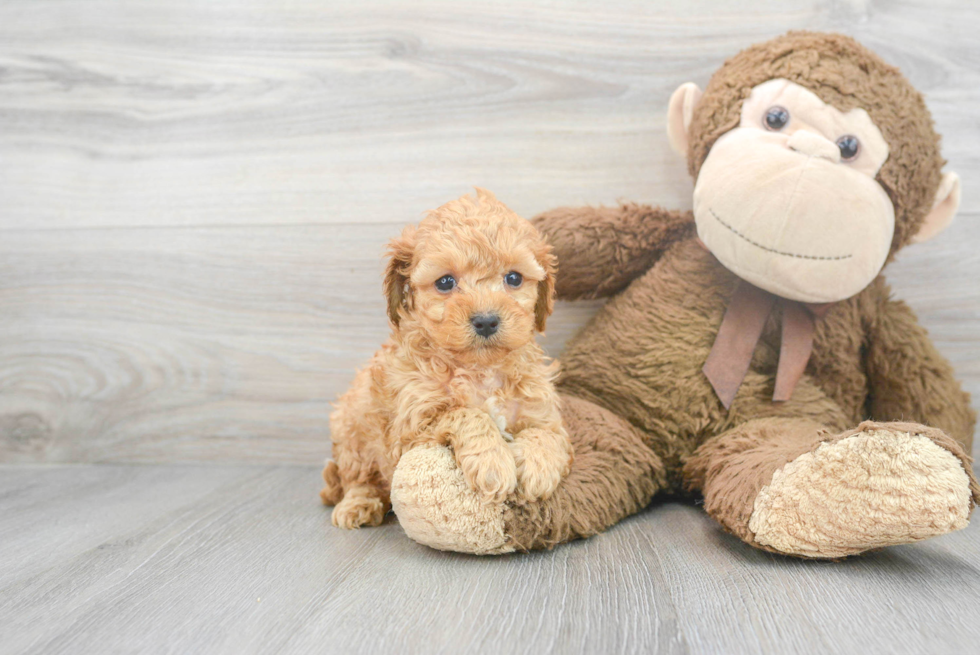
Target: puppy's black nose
x,y
485,324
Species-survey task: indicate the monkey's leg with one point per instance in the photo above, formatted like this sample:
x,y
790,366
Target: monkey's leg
x,y
788,485
614,474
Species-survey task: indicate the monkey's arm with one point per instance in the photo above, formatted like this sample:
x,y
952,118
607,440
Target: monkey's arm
x,y
602,249
909,379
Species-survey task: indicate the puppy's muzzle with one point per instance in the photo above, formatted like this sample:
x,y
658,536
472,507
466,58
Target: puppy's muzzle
x,y
485,325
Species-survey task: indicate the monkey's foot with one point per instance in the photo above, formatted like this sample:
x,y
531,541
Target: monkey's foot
x,y
438,508
881,485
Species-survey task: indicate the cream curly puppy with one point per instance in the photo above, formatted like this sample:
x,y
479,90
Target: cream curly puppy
x,y
466,291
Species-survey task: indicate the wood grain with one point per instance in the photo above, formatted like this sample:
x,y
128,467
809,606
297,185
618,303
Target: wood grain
x,y
224,559
194,196
229,343
187,344
196,113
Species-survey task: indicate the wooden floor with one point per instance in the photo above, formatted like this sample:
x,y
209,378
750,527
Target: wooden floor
x,y
224,559
194,198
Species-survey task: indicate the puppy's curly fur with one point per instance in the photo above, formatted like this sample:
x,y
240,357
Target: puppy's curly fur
x,y
438,380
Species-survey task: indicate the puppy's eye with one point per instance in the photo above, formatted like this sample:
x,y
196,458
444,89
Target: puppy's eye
x,y
446,283
513,279
776,118
849,146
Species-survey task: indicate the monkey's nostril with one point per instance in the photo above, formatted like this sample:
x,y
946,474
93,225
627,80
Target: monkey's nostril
x,y
485,324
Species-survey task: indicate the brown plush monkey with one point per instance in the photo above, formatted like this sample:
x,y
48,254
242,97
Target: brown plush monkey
x,y
815,162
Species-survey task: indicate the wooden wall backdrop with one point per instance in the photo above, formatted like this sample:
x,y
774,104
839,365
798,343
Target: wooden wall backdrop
x,y
194,195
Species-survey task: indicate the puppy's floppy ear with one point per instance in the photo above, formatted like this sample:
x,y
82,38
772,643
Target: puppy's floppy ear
x,y
546,287
400,250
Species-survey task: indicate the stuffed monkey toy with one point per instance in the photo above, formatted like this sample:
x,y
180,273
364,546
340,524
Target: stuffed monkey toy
x,y
750,350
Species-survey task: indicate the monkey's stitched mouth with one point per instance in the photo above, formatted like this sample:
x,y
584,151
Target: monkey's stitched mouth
x,y
773,250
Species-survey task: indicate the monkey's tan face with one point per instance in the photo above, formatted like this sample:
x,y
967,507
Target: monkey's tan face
x,y
788,199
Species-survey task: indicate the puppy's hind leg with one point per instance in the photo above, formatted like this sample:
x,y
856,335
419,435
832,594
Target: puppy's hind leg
x,y
362,505
354,483
356,488
333,490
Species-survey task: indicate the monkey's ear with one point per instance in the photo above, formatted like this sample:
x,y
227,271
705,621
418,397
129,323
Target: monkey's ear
x,y
943,209
401,250
679,115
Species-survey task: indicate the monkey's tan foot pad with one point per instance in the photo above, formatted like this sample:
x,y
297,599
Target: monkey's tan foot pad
x,y
436,507
876,488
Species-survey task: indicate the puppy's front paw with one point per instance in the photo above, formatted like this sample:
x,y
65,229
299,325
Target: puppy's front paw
x,y
540,467
491,472
357,510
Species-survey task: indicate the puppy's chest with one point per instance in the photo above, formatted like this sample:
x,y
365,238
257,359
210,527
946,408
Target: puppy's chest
x,y
487,390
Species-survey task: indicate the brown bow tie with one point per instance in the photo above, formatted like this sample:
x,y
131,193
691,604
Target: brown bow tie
x,y
739,333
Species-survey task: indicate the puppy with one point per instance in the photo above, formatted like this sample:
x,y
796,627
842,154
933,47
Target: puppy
x,y
466,291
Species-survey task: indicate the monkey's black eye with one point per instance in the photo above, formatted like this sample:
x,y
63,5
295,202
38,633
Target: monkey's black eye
x,y
849,146
446,283
513,279
776,118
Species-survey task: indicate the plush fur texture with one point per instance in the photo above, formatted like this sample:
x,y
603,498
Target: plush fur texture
x,y
644,419
438,381
845,75
873,487
614,475
761,203
436,506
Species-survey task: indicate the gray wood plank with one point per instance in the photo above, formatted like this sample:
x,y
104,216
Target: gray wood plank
x,y
189,344
228,344
224,559
197,113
